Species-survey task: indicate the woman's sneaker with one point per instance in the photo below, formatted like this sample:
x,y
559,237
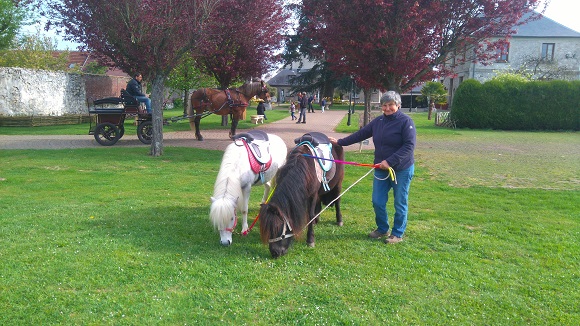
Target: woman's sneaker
x,y
377,234
393,239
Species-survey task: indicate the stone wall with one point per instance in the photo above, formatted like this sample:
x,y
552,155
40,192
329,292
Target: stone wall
x,y
26,92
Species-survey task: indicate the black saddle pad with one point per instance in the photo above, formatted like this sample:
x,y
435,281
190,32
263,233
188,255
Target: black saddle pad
x,y
314,137
252,135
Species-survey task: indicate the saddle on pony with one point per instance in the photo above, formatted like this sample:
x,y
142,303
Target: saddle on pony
x,y
258,148
321,149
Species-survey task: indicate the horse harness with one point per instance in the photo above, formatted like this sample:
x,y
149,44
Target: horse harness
x,y
283,236
230,101
258,148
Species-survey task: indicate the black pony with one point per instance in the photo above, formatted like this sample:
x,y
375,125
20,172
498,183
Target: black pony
x,y
299,193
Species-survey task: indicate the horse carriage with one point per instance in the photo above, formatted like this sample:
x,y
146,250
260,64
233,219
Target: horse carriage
x,y
108,125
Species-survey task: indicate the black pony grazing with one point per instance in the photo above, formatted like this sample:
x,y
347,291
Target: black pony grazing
x,y
302,184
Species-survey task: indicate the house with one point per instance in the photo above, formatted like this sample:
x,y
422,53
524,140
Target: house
x,y
82,59
282,80
546,48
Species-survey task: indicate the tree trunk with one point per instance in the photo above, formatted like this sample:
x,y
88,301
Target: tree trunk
x,y
367,116
431,106
186,102
157,91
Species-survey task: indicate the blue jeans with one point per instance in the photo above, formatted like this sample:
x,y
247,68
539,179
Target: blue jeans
x,y
146,100
302,115
381,190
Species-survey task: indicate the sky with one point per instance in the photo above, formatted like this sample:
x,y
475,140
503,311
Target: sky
x,y
564,12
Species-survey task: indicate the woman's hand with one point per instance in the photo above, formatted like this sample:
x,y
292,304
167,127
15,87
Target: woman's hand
x,y
384,165
333,140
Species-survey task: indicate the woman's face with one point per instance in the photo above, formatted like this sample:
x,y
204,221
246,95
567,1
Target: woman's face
x,y
390,108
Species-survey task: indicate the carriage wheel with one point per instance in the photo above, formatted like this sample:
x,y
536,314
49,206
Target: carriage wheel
x,y
121,131
107,134
145,132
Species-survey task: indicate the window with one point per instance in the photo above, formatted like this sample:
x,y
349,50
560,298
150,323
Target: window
x,y
503,53
548,51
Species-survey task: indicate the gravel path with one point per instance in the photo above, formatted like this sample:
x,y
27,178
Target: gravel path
x,y
287,129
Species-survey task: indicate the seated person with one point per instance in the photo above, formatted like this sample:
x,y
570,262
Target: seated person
x,y
261,109
134,89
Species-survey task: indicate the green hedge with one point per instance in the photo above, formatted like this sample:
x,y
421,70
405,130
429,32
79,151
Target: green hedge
x,y
515,105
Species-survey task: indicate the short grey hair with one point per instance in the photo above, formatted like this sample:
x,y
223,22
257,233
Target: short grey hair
x,y
391,96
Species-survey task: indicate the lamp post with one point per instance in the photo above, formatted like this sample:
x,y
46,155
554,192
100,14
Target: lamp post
x,y
351,100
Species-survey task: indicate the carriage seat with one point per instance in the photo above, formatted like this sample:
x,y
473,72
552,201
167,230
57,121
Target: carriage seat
x,y
131,104
314,137
108,100
129,99
252,135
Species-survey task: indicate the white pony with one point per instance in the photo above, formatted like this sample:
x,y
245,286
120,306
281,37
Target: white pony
x,y
236,178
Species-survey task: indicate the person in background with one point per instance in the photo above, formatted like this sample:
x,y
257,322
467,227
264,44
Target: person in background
x,y
261,109
322,104
394,138
303,104
135,89
310,107
293,110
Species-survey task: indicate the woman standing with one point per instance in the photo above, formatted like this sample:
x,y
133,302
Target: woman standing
x,y
394,138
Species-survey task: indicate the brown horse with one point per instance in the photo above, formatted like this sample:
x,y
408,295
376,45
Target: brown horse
x,y
298,195
234,101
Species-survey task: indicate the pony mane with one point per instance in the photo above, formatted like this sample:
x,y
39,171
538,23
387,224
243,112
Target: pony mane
x,y
296,182
227,189
250,89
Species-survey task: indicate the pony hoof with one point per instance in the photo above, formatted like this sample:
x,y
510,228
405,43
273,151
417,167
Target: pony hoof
x,y
339,223
199,138
310,244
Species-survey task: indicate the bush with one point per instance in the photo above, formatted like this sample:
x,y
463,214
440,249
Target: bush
x,y
517,105
178,103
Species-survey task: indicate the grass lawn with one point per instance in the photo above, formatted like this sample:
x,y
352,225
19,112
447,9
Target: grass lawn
x,y
112,236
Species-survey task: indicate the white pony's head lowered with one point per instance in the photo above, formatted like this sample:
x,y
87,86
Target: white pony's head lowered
x,y
223,216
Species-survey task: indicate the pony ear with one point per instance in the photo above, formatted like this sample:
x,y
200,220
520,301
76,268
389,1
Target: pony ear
x,y
212,199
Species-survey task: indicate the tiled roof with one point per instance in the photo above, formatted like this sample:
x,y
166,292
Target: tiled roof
x,y
78,58
281,78
544,27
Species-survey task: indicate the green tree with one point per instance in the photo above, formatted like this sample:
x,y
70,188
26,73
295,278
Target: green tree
x,y
95,68
35,51
433,92
11,18
186,76
148,36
